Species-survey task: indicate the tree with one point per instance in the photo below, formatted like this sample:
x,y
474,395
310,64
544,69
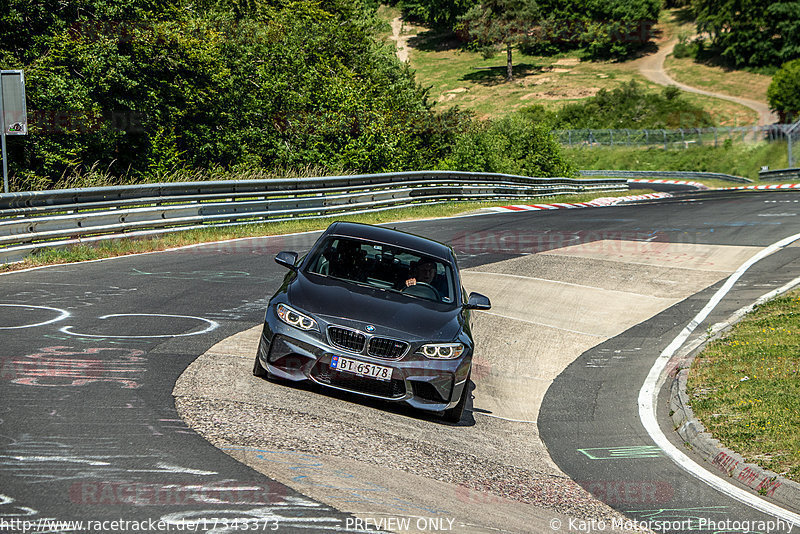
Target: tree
x,y
497,24
784,91
754,33
438,13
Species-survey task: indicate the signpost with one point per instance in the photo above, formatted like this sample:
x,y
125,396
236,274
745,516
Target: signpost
x,y
13,112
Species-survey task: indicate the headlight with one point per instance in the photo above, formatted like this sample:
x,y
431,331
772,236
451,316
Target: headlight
x,y
442,351
294,318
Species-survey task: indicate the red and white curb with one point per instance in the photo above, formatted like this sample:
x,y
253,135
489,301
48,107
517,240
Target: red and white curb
x,y
696,185
763,187
596,203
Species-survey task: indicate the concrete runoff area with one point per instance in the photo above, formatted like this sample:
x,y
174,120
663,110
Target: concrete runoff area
x,y
494,473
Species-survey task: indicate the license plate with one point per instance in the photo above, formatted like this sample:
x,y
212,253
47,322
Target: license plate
x,y
356,367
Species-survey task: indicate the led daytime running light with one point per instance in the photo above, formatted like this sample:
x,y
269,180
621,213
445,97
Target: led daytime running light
x,y
442,351
294,318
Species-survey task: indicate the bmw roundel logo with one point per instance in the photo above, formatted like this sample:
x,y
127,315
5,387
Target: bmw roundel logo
x,y
370,328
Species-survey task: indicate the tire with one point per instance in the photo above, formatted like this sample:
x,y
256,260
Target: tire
x,y
453,415
258,369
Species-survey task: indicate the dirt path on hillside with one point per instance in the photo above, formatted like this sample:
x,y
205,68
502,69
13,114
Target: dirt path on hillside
x,y
401,41
652,68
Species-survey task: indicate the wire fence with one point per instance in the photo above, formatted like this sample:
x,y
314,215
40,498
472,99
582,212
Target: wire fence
x,y
680,138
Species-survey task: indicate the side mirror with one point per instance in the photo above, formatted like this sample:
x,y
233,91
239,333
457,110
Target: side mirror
x,y
478,302
287,259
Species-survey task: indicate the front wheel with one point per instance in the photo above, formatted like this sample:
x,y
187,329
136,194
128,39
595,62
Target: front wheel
x,y
454,414
258,369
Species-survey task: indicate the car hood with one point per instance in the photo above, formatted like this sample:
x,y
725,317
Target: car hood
x,y
340,302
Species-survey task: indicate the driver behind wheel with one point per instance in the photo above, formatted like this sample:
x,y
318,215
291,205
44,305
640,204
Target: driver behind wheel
x,y
424,271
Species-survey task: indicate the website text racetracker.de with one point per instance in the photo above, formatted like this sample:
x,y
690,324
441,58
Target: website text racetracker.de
x,y
20,526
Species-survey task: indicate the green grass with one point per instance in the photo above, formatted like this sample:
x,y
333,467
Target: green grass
x,y
458,77
124,246
741,84
468,80
738,159
745,388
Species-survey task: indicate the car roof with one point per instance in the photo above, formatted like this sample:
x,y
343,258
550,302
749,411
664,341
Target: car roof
x,y
389,236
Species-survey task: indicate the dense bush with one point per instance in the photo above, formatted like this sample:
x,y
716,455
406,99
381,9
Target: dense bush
x,y
143,88
784,91
628,106
512,145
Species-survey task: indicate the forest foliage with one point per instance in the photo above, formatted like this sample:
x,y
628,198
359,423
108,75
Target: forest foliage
x,y
628,106
603,29
141,88
756,33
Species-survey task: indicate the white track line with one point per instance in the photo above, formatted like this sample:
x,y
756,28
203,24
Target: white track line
x,y
649,392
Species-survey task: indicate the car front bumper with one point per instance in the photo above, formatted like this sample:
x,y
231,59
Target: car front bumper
x,y
427,384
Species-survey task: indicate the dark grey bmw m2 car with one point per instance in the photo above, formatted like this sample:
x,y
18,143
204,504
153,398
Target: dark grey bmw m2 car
x,y
377,312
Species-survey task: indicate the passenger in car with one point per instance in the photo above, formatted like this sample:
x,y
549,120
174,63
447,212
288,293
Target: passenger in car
x,y
348,261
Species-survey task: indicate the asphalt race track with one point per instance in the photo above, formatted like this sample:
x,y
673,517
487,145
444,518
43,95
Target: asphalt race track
x,y
91,352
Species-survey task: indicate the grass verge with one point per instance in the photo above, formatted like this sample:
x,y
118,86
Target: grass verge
x,y
459,77
745,387
737,159
742,84
125,246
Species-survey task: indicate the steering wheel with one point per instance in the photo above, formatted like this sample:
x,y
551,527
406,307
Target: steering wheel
x,y
424,290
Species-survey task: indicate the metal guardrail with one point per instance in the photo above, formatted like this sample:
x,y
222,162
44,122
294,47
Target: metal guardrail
x,y
669,175
779,175
35,220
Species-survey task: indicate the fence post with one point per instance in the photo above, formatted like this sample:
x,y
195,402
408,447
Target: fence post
x,y
665,138
569,137
715,136
611,135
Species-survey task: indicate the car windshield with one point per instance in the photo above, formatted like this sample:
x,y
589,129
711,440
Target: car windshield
x,y
385,267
